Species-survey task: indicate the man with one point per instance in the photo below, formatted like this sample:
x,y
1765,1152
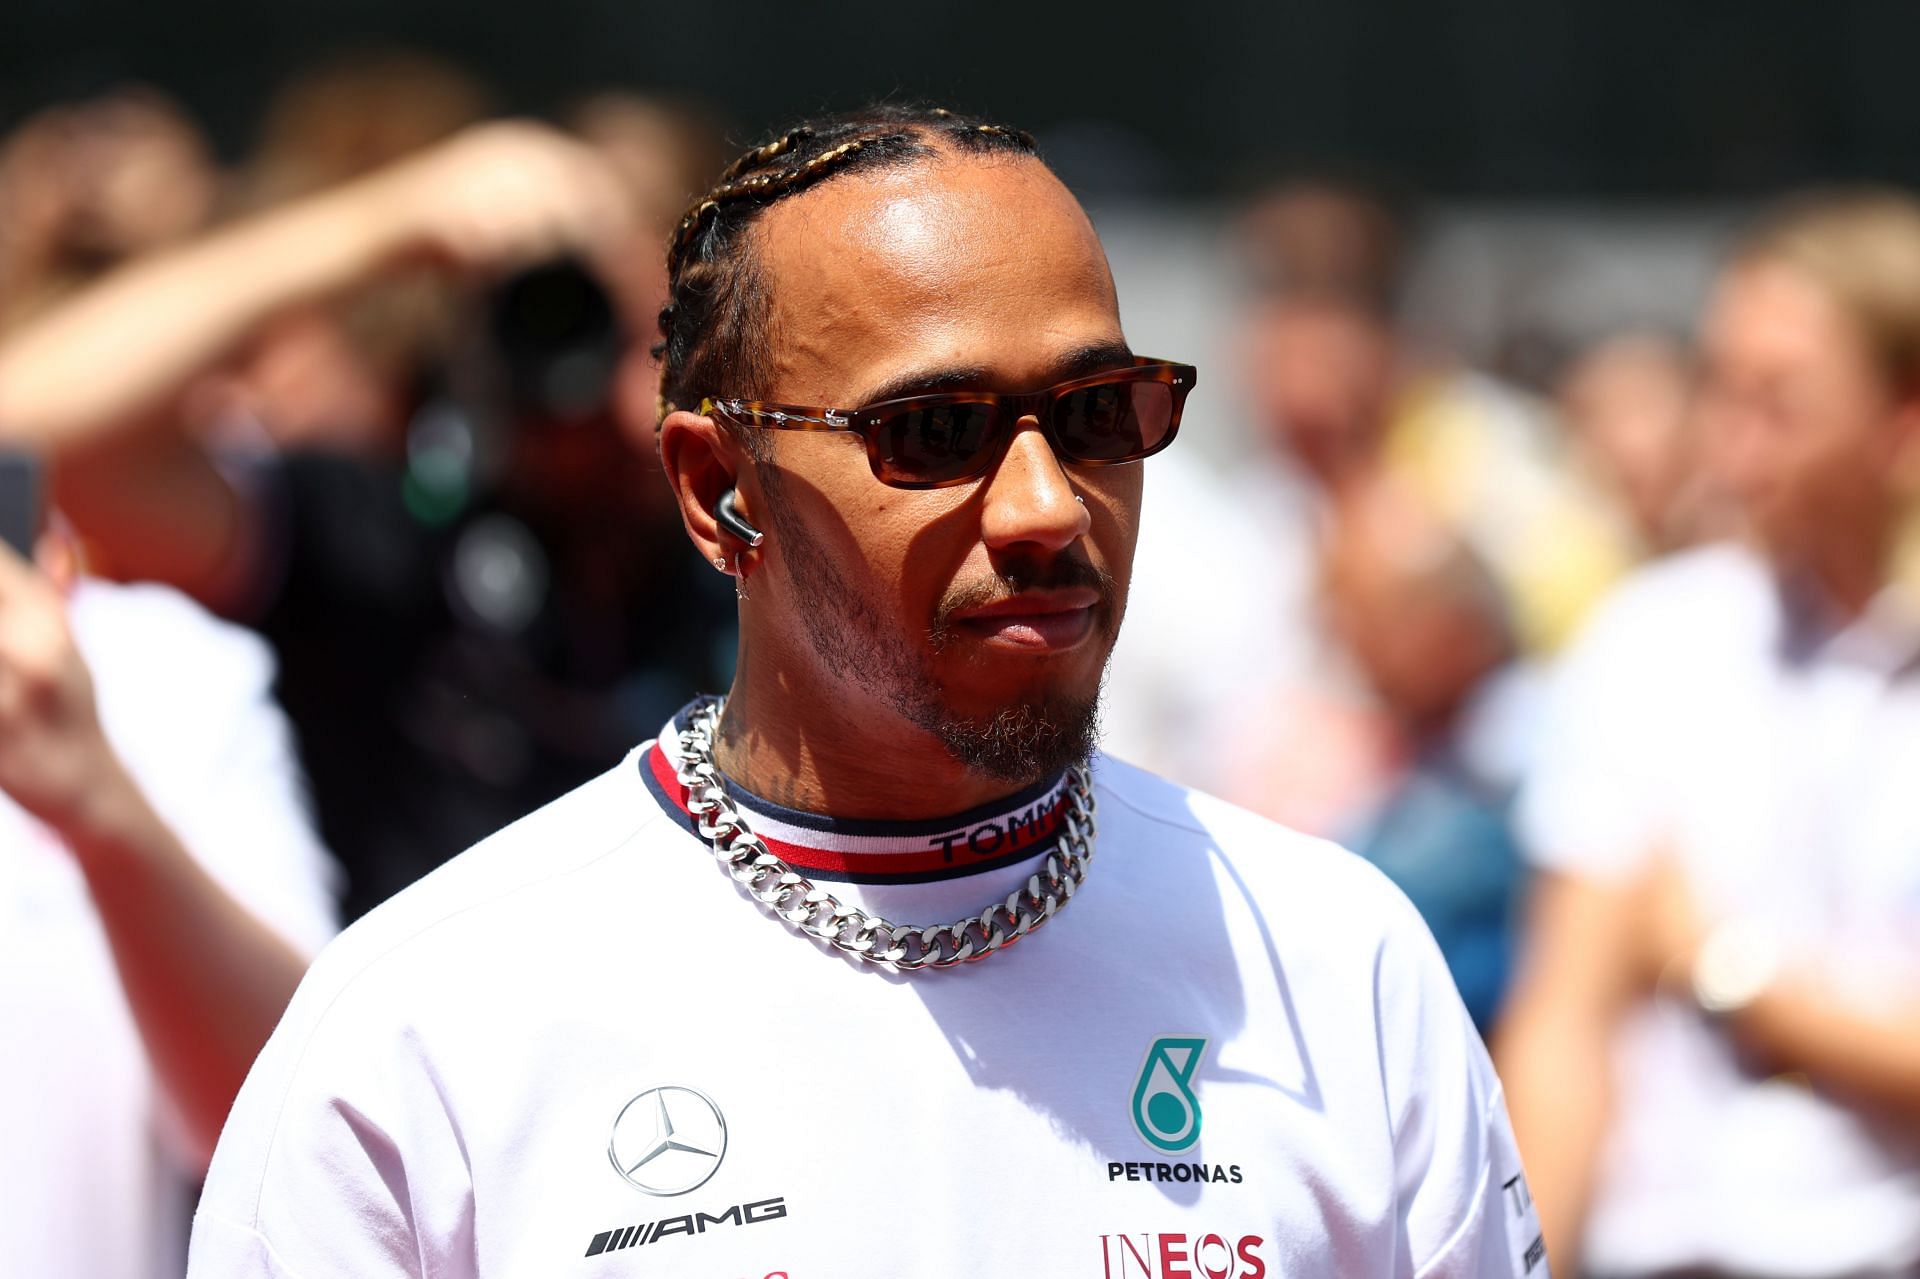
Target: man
x,y
1445,725
584,1048
161,890
1714,1041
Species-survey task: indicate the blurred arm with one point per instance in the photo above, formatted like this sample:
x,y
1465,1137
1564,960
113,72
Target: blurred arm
x,y
1797,1022
1576,978
97,382
206,980
122,351
1871,1059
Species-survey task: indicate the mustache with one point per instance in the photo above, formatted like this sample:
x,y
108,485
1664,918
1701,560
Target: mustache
x,y
1019,576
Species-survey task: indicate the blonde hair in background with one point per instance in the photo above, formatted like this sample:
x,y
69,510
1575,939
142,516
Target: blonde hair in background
x,y
1863,248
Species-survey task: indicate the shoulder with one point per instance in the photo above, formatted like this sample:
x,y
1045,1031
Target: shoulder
x,y
144,632
441,972
1318,887
1671,628
492,896
185,698
1715,586
1365,983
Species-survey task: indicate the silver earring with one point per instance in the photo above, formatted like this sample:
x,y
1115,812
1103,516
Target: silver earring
x,y
738,573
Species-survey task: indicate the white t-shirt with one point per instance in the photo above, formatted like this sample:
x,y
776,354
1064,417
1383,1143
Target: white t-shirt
x,y
1783,773
1235,1052
95,1178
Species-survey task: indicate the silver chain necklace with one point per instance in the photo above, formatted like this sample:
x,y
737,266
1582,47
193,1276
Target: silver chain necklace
x,y
819,914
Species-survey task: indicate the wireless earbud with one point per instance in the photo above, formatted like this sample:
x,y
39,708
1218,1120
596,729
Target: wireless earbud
x,y
732,521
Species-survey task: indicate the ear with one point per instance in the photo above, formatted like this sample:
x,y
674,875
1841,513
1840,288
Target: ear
x,y
701,463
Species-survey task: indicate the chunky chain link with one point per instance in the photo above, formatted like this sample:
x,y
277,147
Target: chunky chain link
x,y
819,914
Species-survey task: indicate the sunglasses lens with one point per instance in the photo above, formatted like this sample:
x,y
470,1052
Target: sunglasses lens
x,y
1114,421
932,444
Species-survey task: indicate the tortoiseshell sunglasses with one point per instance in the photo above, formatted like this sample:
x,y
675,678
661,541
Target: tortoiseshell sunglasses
x,y
930,441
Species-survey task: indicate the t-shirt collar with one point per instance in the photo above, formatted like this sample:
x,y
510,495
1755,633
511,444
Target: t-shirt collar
x,y
1018,827
1884,637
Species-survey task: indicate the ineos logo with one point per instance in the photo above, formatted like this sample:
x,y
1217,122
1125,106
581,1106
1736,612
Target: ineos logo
x,y
668,1140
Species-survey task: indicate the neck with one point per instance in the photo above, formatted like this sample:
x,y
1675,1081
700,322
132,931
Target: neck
x,y
1849,572
845,755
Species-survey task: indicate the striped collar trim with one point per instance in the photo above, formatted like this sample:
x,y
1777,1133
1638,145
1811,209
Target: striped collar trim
x,y
1011,830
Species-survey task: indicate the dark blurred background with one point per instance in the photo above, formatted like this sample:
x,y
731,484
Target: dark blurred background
x,y
1485,98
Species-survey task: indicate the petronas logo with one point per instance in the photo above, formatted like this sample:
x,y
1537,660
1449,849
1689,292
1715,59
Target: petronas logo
x,y
1165,1111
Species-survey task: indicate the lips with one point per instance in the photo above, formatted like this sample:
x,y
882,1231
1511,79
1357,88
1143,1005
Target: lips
x,y
1033,621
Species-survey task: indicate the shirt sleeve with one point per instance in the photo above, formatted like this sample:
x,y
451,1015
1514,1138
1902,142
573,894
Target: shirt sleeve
x,y
340,1156
192,714
1461,1196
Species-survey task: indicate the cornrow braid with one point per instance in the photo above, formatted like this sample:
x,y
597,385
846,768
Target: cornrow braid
x,y
767,154
762,187
713,330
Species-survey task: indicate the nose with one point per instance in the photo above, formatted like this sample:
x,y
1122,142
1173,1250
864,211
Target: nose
x,y
1028,499
1741,453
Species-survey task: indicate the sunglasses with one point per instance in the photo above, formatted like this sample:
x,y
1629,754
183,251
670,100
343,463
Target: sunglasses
x,y
930,441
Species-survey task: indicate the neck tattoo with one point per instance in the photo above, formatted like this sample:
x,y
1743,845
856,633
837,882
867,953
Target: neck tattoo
x,y
818,914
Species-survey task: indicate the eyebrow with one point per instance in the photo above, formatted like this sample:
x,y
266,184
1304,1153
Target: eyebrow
x,y
1096,358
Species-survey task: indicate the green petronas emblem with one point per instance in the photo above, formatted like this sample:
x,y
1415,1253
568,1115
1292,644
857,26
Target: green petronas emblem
x,y
1165,1111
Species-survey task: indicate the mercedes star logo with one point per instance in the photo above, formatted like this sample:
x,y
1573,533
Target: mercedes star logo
x,y
668,1140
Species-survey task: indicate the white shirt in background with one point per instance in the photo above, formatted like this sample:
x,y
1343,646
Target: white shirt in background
x,y
1222,612
1783,773
96,1180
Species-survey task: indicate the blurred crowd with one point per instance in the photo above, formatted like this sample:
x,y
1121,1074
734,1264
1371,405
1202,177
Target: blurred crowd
x,y
352,550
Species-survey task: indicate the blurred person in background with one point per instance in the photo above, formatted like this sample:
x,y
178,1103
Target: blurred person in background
x,y
161,891
1342,390
463,632
346,371
1411,750
1628,405
86,185
1316,365
1359,672
1337,395
1424,621
353,112
1713,1047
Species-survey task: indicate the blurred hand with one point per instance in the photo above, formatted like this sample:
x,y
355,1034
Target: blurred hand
x,y
508,195
55,761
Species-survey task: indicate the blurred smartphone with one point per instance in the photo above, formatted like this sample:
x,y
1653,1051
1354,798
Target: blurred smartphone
x,y
19,501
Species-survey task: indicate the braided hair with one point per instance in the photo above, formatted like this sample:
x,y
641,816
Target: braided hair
x,y
713,330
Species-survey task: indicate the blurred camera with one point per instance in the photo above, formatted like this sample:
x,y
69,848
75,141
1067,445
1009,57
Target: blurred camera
x,y
556,342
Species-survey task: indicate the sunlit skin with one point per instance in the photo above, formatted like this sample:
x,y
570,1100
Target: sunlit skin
x,y
961,273
1802,428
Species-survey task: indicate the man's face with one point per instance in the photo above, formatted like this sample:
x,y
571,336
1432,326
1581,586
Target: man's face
x,y
983,612
1320,375
1798,423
